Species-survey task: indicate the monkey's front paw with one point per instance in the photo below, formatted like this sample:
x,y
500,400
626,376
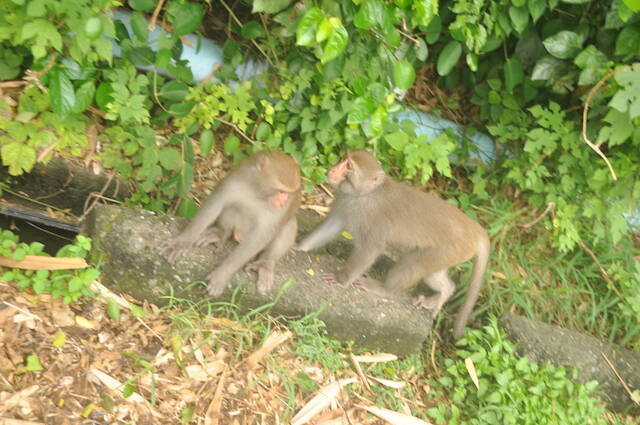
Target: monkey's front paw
x,y
332,279
299,248
211,237
216,284
265,270
171,249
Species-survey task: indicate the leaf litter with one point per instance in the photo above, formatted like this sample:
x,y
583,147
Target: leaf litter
x,y
72,364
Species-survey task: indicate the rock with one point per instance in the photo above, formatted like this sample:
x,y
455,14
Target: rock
x,y
125,244
542,343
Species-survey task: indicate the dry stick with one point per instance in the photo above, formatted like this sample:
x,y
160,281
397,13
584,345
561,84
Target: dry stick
x,y
550,207
363,378
603,272
235,18
594,90
624,384
88,209
154,16
235,127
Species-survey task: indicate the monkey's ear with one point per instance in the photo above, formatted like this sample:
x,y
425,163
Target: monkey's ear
x,y
378,177
263,162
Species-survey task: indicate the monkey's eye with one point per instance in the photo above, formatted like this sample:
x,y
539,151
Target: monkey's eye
x,y
349,165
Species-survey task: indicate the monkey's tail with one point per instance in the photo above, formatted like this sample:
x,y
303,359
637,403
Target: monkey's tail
x,y
479,268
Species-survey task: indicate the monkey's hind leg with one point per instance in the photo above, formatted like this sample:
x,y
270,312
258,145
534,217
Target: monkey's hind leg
x,y
265,265
441,282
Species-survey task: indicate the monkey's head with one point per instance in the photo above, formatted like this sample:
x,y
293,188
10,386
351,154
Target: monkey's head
x,y
359,173
278,177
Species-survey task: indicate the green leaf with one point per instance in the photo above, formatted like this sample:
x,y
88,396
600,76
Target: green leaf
x,y
61,93
370,13
104,95
360,110
187,208
519,18
139,25
433,30
45,35
93,28
472,61
536,8
576,1
335,44
206,142
547,68
513,74
59,339
593,64
378,118
306,31
185,179
263,131
628,41
113,309
174,91
324,30
397,140
170,159
564,44
448,57
32,364
36,9
424,11
143,5
231,144
179,110
142,56
185,17
634,5
403,74
269,6
84,96
252,30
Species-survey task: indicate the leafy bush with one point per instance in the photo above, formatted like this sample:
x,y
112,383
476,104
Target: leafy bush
x,y
512,390
70,285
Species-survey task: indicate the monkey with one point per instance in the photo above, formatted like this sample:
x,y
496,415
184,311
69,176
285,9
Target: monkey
x,y
256,203
379,212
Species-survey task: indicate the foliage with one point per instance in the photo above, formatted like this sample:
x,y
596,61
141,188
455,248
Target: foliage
x,y
512,389
70,285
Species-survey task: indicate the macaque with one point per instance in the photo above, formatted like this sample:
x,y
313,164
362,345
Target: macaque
x,y
256,203
432,234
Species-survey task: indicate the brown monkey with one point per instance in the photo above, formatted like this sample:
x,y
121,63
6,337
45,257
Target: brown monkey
x,y
432,234
257,204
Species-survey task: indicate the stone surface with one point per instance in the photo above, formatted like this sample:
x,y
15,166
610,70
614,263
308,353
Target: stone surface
x,y
541,343
125,244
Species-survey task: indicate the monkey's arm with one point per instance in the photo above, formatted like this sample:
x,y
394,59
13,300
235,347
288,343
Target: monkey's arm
x,y
325,232
248,248
358,263
208,213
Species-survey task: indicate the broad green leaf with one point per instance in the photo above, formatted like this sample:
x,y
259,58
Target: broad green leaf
x,y
174,91
188,155
369,14
61,92
576,1
361,109
472,61
378,118
403,74
142,56
536,8
36,8
113,309
424,11
593,64
252,30
628,41
433,30
448,58
564,44
93,28
187,208
170,159
84,96
185,17
185,179
179,110
422,51
206,142
263,131
513,74
139,25
547,68
519,18
269,6
45,34
104,95
143,5
306,31
335,44
231,144
397,140
324,30
634,5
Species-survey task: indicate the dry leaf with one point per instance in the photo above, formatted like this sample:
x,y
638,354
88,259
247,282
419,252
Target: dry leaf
x,y
394,418
389,383
471,368
86,323
376,358
274,339
325,396
37,262
114,385
213,411
17,397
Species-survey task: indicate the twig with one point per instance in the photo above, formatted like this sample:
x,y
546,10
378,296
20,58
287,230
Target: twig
x,y
12,84
327,191
317,208
550,207
235,127
585,113
154,16
613,368
358,369
235,18
603,272
88,208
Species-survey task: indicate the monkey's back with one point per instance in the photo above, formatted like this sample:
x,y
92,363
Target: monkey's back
x,y
404,216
